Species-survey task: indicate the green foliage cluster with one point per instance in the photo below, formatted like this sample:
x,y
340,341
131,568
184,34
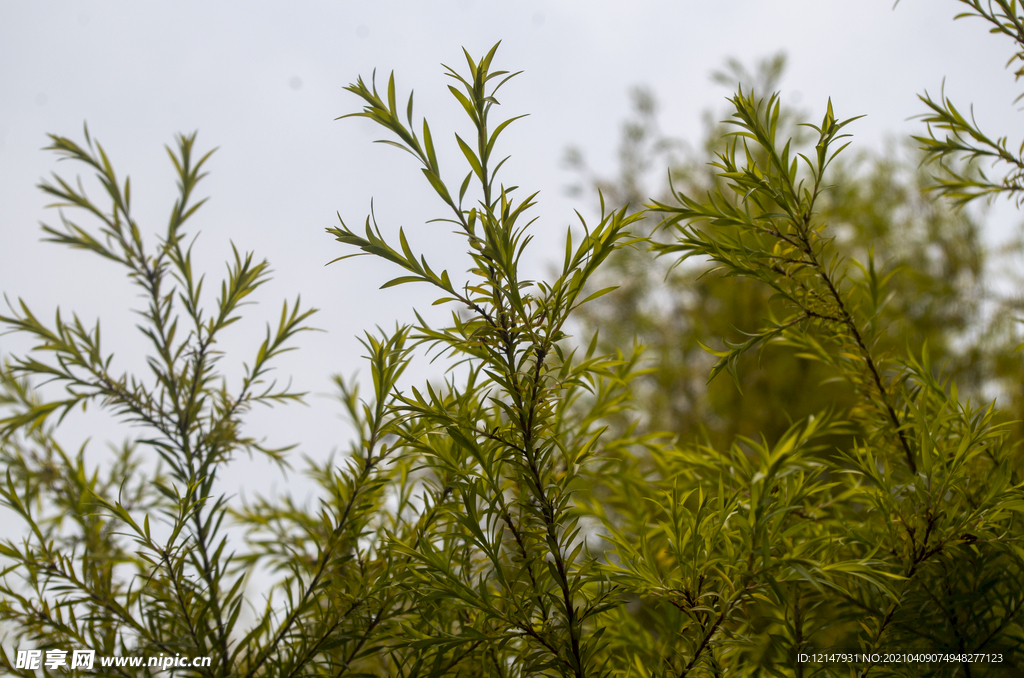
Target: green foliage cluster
x,y
961,139
529,515
939,282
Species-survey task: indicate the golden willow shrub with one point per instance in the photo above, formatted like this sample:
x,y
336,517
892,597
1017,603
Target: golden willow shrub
x,y
906,539
446,541
505,521
877,200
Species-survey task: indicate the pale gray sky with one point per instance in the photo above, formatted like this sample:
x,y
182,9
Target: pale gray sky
x,y
263,82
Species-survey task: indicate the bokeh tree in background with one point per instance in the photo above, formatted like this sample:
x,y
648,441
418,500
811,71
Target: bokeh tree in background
x,y
880,204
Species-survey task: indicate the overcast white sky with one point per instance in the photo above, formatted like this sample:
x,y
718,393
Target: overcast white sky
x,y
263,82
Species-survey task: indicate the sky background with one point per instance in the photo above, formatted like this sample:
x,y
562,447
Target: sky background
x,y
263,83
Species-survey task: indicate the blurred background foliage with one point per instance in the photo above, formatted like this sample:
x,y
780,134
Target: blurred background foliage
x,y
879,204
